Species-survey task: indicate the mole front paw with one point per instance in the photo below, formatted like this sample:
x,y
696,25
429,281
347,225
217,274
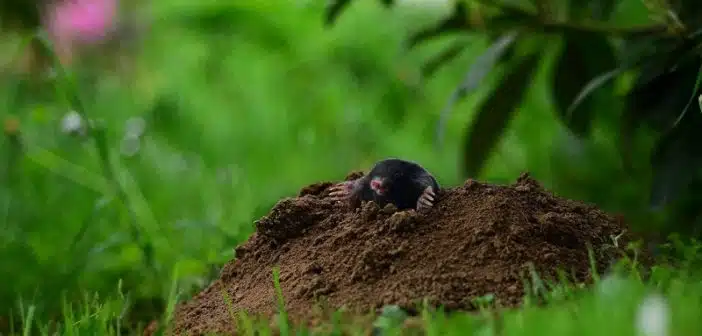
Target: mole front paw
x,y
341,192
426,200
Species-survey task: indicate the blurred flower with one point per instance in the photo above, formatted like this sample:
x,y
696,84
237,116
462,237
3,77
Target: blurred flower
x,y
83,21
134,130
72,123
130,146
135,127
611,285
652,318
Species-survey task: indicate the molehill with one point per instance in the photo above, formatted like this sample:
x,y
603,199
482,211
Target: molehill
x,y
478,239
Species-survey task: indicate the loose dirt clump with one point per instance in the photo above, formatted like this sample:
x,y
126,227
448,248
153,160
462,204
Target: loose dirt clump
x,y
478,239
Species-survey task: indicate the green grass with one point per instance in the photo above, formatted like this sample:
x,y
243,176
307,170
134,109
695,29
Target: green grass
x,y
615,304
245,104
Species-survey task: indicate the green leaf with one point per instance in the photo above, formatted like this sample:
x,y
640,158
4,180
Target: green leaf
x,y
591,9
338,6
688,11
667,73
20,14
659,101
583,57
694,94
457,22
658,55
636,49
334,11
495,113
445,56
677,161
485,62
476,73
591,86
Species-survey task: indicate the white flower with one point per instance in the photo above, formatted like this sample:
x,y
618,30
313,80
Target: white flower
x,y
135,127
130,146
611,285
71,123
652,318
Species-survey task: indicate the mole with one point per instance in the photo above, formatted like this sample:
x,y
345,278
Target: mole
x,y
405,184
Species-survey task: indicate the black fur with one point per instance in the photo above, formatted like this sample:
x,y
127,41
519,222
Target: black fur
x,y
405,181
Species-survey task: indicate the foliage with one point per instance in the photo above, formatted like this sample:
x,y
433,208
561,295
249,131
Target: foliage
x,y
595,52
19,14
90,209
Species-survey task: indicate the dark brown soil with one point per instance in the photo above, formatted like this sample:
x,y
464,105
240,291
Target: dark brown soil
x,y
478,239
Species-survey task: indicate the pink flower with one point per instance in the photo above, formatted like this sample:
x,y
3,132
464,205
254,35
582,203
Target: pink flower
x,y
81,20
72,22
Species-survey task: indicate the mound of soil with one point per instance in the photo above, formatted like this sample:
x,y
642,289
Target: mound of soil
x,y
478,239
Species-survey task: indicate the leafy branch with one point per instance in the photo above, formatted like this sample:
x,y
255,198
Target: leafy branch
x,y
665,55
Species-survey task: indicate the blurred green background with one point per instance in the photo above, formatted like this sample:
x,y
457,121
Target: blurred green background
x,y
243,104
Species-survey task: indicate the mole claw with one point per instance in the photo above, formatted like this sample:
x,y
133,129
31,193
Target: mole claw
x,y
426,200
424,203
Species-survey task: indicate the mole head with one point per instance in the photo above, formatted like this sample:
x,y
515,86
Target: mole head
x,y
378,185
386,174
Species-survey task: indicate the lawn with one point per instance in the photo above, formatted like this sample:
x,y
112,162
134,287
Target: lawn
x,y
229,108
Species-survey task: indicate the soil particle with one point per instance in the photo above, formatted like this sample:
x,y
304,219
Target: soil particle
x,y
478,239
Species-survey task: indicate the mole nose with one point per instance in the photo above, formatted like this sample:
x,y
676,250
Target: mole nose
x,y
377,185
